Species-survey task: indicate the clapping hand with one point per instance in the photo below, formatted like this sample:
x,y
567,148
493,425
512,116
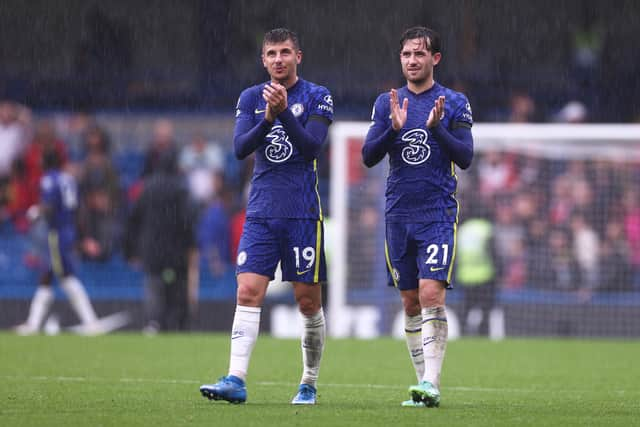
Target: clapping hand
x,y
437,113
398,114
276,97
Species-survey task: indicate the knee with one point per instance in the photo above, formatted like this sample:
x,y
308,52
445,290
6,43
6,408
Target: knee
x,y
248,296
411,306
431,297
308,306
251,289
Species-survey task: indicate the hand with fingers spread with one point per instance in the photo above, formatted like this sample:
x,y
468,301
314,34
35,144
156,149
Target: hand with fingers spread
x,y
437,113
398,114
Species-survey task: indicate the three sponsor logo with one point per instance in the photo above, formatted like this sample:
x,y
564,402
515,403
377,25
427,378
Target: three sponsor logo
x,y
417,151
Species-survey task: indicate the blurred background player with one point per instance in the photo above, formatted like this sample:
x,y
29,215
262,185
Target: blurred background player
x,y
424,136
285,122
59,199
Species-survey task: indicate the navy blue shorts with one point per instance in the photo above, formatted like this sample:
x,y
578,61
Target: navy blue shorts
x,y
419,251
60,255
297,243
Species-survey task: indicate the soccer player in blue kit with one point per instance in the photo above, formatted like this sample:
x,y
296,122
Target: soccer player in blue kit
x,y
59,199
425,129
284,122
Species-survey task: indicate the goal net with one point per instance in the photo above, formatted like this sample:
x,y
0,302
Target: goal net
x,y
564,204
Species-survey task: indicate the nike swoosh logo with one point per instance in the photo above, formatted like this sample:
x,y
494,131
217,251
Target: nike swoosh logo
x,y
300,273
437,268
259,111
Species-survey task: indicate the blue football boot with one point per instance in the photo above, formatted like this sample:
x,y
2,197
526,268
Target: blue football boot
x,y
306,395
229,388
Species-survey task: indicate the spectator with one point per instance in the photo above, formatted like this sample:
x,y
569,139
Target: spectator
x,y
12,145
477,269
522,108
12,136
537,250
563,268
615,258
162,142
582,192
99,217
45,140
19,197
509,240
497,174
198,161
572,192
607,191
73,128
586,250
631,204
560,205
572,112
533,172
161,232
214,229
588,42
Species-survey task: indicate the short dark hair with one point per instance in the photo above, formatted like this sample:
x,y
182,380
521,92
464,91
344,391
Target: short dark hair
x,y
430,37
280,35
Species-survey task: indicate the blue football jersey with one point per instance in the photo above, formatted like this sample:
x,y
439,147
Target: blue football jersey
x,y
58,191
284,184
422,181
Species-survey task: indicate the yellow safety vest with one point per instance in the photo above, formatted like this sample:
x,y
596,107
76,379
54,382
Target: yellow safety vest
x,y
475,265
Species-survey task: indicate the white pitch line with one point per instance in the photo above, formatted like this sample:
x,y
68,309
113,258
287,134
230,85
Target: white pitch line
x,y
398,387
278,384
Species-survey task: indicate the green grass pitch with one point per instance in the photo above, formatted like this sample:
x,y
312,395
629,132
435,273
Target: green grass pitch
x,y
131,380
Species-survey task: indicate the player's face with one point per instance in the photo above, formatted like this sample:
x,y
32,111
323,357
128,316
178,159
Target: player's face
x,y
281,61
417,61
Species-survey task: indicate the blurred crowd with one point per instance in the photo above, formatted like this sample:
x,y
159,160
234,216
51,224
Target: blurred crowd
x,y
105,197
569,225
